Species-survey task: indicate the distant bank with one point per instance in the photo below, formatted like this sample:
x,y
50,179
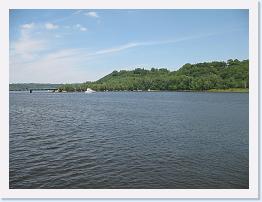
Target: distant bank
x,y
216,76
230,90
28,86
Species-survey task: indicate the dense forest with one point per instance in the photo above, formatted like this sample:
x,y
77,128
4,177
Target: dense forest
x,y
198,77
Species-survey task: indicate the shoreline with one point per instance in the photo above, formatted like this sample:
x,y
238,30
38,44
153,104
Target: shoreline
x,y
230,90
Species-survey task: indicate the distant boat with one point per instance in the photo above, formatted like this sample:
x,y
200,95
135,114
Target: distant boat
x,y
89,90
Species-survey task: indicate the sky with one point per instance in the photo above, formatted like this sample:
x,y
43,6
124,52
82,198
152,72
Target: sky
x,y
73,46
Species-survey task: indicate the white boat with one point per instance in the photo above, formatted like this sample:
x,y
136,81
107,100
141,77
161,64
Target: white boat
x,y
89,90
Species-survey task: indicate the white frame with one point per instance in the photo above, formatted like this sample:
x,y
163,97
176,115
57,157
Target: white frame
x,y
252,192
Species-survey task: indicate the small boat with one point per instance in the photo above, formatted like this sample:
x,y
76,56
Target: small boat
x,y
89,90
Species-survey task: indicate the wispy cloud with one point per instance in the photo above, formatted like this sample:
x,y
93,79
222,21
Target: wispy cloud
x,y
117,48
81,27
27,46
34,55
77,12
57,67
67,17
89,55
154,43
27,26
51,26
134,45
92,14
130,45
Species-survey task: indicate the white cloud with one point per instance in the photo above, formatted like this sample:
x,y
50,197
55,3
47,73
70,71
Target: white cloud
x,y
77,12
27,46
92,14
34,58
51,26
81,27
28,26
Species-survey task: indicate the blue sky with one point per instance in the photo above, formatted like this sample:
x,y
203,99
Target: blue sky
x,y
67,46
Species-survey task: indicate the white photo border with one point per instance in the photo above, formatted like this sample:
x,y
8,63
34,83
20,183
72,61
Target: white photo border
x,y
252,192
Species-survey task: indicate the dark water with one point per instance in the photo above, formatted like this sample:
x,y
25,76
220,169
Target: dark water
x,y
129,140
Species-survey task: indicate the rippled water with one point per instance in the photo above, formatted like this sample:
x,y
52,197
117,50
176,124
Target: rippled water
x,y
128,140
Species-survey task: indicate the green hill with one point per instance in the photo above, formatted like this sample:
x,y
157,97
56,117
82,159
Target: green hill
x,y
232,74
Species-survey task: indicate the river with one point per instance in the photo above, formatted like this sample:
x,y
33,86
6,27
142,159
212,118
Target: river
x,y
175,140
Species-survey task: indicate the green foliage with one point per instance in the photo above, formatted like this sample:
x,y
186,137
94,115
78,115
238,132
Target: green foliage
x,y
201,76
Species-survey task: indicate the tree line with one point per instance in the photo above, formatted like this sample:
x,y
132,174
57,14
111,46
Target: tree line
x,y
28,86
199,77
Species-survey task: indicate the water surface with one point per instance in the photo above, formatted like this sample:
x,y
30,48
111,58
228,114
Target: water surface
x,y
128,140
